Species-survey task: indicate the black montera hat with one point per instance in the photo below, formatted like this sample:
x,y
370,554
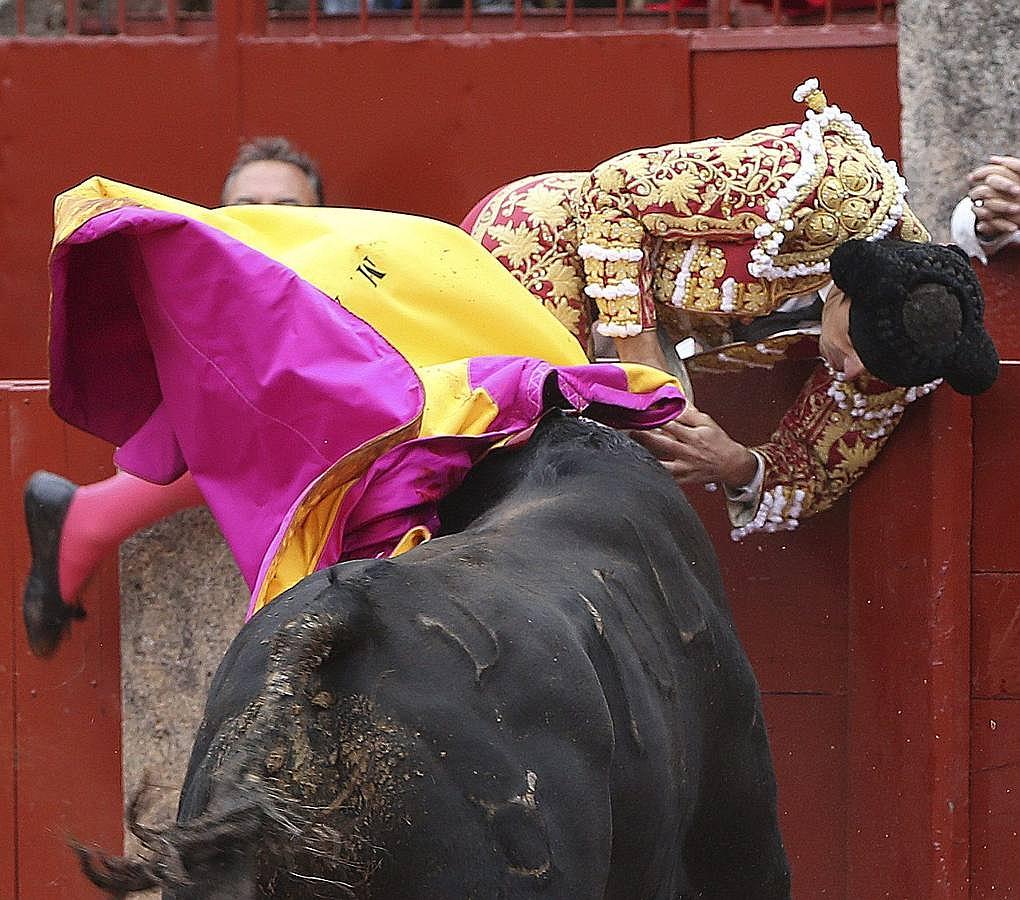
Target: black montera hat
x,y
916,313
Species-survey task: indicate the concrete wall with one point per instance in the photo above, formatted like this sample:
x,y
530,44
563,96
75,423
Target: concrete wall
x,y
182,601
960,96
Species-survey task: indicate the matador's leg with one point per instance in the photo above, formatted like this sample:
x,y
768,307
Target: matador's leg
x,y
73,528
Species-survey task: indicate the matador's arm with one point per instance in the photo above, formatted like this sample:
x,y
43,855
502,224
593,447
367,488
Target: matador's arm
x,y
823,444
695,198
617,253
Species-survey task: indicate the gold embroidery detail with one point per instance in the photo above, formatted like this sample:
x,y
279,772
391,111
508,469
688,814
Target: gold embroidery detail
x,y
822,449
700,187
619,310
854,214
707,267
831,193
819,227
651,207
544,204
853,196
547,264
856,177
910,227
568,316
737,225
606,230
516,243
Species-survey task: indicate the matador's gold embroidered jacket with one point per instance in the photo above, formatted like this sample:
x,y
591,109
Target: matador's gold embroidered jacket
x,y
704,237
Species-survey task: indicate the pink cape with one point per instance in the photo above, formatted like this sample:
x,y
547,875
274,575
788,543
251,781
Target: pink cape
x,y
191,350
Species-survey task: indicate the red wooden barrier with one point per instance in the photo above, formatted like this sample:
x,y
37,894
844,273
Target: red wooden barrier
x,y
908,723
434,143
429,125
60,771
788,592
897,767
995,635
8,719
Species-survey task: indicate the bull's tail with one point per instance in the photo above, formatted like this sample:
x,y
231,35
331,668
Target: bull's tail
x,y
173,856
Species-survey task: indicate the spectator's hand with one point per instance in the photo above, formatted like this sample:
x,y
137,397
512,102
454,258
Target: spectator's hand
x,y
995,189
695,450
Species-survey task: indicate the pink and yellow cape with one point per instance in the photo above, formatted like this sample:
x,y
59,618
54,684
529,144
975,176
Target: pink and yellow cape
x,y
327,375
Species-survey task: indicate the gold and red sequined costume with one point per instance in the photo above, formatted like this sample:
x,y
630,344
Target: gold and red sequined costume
x,y
704,237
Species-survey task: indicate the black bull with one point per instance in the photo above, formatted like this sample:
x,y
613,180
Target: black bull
x,y
549,700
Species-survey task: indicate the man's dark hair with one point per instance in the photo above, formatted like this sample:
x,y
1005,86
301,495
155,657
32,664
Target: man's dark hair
x,y
277,149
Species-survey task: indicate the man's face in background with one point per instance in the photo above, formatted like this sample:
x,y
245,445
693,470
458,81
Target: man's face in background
x,y
269,181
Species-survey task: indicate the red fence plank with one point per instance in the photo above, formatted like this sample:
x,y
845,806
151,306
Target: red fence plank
x,y
788,591
68,771
909,661
995,635
437,143
1002,316
995,729
750,89
9,622
995,800
811,770
119,121
996,537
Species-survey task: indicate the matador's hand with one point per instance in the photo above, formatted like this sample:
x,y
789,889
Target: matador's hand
x,y
695,450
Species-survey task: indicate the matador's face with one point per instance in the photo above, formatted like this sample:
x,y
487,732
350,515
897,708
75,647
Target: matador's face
x,y
834,341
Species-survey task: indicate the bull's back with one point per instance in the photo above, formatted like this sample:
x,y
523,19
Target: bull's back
x,y
533,705
473,755
634,583
610,611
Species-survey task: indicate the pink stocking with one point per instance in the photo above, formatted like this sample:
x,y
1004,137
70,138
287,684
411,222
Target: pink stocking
x,y
103,514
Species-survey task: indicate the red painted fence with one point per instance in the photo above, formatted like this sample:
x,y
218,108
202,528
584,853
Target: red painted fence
x,y
883,633
995,592
60,766
419,124
289,18
896,766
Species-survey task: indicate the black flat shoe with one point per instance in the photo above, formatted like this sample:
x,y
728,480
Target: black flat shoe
x,y
47,616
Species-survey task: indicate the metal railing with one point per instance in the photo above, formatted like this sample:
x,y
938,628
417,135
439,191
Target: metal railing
x,y
286,18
